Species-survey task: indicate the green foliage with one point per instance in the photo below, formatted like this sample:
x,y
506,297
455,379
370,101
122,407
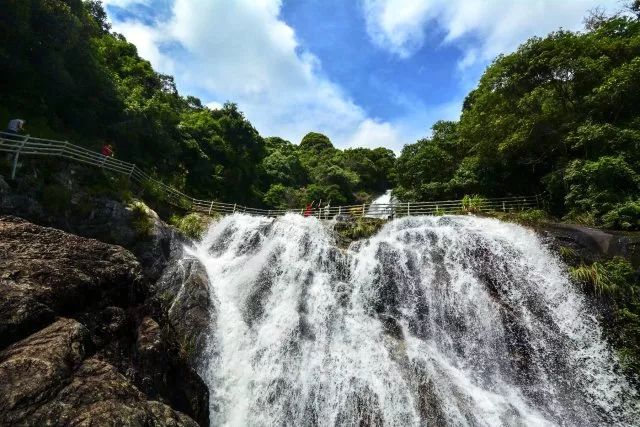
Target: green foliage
x,y
559,116
473,204
617,285
610,277
141,219
567,253
625,216
55,198
193,225
360,228
525,217
315,170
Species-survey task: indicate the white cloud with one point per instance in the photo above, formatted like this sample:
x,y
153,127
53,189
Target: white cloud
x,y
124,3
214,105
372,134
240,50
483,28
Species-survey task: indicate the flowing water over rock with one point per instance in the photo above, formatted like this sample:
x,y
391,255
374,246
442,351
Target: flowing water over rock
x,y
434,321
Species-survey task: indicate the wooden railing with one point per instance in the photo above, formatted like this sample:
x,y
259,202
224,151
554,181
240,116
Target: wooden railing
x,y
20,145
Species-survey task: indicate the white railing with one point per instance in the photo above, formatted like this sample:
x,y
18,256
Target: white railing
x,y
21,145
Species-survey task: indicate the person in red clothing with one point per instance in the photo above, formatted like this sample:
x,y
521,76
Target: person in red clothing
x,y
308,209
107,150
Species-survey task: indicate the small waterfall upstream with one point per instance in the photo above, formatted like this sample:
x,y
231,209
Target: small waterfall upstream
x,y
452,320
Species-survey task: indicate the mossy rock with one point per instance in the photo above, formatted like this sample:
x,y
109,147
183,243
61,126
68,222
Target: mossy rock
x,y
357,229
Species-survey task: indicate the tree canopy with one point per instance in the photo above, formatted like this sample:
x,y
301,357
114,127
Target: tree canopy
x,y
73,78
559,117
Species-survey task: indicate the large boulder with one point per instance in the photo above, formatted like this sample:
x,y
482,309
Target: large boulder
x,y
46,379
112,221
591,244
45,272
164,374
183,297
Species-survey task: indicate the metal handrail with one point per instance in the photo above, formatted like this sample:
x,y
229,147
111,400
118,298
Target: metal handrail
x,y
31,146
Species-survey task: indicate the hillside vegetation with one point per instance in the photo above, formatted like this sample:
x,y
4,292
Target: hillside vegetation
x,y
559,118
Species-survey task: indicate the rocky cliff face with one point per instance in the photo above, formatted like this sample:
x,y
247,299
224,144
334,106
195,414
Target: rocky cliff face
x,y
82,338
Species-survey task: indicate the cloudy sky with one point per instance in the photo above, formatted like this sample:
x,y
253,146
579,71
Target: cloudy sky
x,y
364,72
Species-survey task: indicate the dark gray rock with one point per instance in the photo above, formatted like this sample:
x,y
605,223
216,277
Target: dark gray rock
x,y
592,244
182,294
46,379
46,272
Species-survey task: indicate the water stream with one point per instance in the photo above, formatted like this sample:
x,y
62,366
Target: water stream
x,y
434,321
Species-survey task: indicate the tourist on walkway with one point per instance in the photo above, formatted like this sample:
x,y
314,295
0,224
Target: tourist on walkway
x,y
15,127
107,150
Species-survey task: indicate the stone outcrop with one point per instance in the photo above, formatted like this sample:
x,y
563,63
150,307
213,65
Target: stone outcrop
x,y
182,295
591,244
89,213
83,341
48,379
45,272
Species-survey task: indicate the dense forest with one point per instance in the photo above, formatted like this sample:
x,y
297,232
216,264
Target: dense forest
x,y
73,79
558,118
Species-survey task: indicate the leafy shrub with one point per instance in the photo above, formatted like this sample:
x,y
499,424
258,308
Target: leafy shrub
x,y
608,278
624,217
193,225
473,204
141,219
439,211
359,229
55,197
526,217
597,187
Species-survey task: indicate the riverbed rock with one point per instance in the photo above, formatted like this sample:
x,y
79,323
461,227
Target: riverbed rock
x,y
47,379
45,272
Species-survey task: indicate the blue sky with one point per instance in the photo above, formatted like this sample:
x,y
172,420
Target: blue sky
x,y
364,72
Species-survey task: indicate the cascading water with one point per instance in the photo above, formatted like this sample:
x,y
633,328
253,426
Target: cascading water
x,y
434,321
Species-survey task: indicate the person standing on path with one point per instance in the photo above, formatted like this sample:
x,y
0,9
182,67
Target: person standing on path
x,y
15,126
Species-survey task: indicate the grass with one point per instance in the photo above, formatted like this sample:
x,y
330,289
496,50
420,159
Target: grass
x,y
605,278
141,218
193,225
360,228
473,204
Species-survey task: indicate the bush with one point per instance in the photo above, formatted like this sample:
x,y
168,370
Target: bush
x,y
608,278
361,228
526,217
473,204
624,217
55,198
193,225
141,219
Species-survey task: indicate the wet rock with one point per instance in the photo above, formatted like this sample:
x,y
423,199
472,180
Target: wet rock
x,y
44,272
111,221
46,380
183,297
591,244
165,375
32,371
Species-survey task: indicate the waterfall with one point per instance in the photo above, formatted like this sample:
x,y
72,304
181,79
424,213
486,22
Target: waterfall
x,y
382,207
452,320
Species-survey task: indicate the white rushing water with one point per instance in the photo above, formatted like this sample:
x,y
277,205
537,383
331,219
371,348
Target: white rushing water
x,y
382,207
434,321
